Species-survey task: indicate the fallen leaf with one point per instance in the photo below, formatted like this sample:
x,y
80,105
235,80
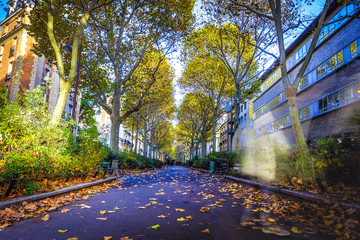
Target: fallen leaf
x,y
206,231
110,211
188,217
101,219
82,217
73,238
204,209
103,212
181,219
142,207
271,220
103,202
108,238
116,208
295,230
65,210
179,210
162,216
155,226
46,218
62,231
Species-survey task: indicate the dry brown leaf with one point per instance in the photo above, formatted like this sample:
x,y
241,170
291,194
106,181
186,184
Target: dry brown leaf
x,y
206,231
65,210
46,218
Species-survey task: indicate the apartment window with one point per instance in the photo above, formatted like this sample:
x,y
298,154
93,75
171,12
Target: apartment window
x,y
329,65
300,53
357,88
245,106
245,117
338,98
304,112
242,108
280,123
1,53
12,49
304,82
8,74
353,49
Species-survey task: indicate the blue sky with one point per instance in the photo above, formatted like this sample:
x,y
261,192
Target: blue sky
x,y
2,11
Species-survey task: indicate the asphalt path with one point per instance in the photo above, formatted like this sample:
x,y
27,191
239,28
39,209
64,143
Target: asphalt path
x,y
132,210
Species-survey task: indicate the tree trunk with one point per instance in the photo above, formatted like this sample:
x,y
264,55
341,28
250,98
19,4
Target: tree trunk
x,y
203,147
295,119
214,125
61,101
145,139
114,135
137,133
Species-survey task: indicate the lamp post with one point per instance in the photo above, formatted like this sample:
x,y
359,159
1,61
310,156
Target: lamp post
x,y
154,150
228,109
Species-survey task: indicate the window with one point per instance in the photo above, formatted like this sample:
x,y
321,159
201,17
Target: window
x,y
300,53
272,79
349,92
8,74
357,88
329,65
242,108
303,83
353,49
12,49
1,53
304,112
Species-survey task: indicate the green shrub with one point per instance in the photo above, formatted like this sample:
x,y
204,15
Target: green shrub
x,y
31,147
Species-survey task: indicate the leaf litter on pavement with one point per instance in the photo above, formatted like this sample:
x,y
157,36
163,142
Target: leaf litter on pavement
x,y
269,213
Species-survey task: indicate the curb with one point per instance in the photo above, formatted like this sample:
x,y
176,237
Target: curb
x,y
298,194
54,193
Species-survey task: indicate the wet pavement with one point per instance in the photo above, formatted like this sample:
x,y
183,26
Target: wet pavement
x,y
172,203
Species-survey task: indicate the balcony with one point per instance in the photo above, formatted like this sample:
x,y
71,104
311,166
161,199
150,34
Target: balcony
x,y
8,76
12,51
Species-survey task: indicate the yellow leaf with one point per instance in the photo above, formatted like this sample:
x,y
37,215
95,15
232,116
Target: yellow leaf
x,y
103,202
179,210
167,207
154,203
46,218
108,238
73,238
188,217
82,217
295,230
103,212
116,208
65,210
204,209
181,219
62,231
155,226
206,231
271,220
162,216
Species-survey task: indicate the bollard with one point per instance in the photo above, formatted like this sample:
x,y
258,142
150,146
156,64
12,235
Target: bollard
x,y
11,186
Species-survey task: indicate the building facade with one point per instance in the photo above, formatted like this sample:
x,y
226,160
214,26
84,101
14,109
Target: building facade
x,y
329,91
20,68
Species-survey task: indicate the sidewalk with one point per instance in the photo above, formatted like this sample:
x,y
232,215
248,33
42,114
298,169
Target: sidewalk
x,y
36,197
298,194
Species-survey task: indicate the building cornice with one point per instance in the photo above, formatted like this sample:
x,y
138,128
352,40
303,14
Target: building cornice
x,y
20,10
14,31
